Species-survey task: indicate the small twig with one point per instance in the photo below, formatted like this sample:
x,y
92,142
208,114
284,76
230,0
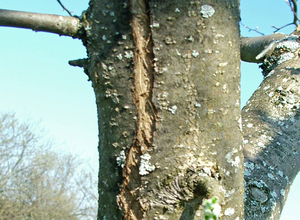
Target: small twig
x,y
251,29
295,12
278,29
293,6
64,8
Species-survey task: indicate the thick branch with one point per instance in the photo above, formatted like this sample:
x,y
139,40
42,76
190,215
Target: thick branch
x,y
62,25
271,125
252,46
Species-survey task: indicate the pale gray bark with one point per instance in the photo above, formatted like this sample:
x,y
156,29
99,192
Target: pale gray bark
x,y
271,134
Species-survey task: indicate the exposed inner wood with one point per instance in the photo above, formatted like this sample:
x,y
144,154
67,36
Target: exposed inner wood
x,y
143,69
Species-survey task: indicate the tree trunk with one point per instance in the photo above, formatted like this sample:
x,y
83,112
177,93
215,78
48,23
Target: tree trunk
x,y
166,81
166,78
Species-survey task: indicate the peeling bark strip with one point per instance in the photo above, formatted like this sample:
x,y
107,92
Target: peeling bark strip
x,y
143,80
143,70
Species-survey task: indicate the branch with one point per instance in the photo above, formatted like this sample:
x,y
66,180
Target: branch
x,y
271,129
252,46
293,5
62,25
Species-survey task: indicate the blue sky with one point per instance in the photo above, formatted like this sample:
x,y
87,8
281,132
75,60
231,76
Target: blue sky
x,y
37,83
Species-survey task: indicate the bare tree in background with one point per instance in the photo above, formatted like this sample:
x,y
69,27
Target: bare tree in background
x,y
38,183
166,82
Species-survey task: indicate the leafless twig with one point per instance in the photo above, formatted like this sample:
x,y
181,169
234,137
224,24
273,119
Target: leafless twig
x,y
293,6
251,29
64,7
279,28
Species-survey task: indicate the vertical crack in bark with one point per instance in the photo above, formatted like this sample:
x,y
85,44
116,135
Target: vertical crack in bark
x,y
128,199
143,80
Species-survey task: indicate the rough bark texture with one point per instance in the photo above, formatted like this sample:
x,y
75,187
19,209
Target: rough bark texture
x,y
271,134
166,79
110,68
251,47
195,72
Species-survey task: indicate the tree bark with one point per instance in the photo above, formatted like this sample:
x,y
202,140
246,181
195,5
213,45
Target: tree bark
x,y
166,79
271,133
251,47
62,25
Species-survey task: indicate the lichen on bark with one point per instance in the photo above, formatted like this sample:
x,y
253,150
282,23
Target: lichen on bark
x,y
176,71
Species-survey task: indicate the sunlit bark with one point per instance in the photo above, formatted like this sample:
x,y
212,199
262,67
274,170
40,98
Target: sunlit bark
x,y
62,25
166,81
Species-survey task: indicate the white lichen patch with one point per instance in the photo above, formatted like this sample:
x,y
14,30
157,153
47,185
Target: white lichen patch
x,y
191,39
119,56
246,172
285,57
273,194
240,123
207,11
278,52
271,176
229,211
245,141
222,64
287,179
146,167
271,94
197,104
266,87
178,53
230,193
249,165
290,43
128,54
260,145
155,25
234,162
217,37
270,74
173,109
249,125
121,159
195,53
